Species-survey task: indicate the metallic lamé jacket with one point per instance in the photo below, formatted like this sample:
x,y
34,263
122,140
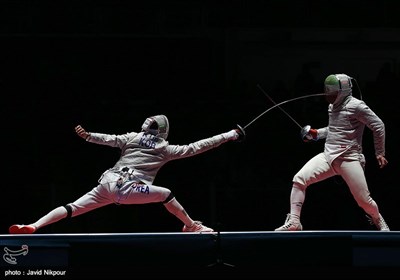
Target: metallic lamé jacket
x,y
344,132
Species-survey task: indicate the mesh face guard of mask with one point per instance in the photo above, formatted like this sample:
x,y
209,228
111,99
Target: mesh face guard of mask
x,y
157,125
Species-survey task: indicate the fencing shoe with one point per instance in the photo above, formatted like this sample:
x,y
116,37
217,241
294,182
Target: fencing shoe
x,y
21,229
197,227
292,223
379,223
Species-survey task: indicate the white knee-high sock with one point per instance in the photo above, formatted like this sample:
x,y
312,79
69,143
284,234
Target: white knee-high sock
x,y
297,198
52,217
175,208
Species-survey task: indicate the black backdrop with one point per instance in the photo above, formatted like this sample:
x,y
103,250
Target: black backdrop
x,y
107,65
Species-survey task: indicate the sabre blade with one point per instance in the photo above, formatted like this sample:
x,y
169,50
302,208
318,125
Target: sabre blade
x,y
286,113
281,103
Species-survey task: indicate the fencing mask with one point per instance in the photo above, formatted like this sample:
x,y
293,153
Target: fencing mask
x,y
156,125
337,87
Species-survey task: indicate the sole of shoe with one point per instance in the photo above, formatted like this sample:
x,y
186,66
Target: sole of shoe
x,y
18,229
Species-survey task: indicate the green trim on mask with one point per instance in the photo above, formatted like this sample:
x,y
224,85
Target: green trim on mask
x,y
331,80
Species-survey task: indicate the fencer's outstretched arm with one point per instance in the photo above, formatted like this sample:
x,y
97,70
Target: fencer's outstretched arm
x,y
81,132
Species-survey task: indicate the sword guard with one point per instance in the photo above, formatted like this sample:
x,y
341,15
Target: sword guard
x,y
241,132
304,131
307,133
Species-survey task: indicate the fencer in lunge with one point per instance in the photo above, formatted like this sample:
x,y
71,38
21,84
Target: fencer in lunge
x,y
343,154
130,180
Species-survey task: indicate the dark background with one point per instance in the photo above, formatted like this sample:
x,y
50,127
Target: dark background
x,y
108,65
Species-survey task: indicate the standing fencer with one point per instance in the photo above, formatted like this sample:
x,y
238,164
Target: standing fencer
x,y
343,154
130,180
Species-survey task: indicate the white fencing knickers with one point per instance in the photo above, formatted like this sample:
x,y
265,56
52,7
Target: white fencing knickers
x,y
108,192
352,172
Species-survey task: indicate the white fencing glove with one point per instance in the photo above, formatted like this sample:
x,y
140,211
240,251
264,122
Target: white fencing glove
x,y
231,135
237,134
